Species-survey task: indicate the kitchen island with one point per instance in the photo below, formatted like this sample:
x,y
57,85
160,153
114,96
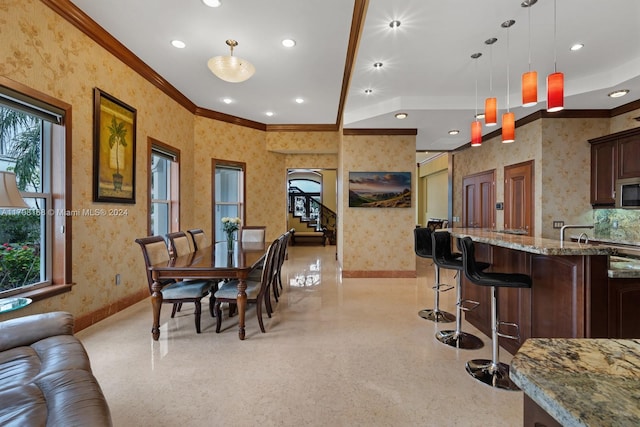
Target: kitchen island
x,y
579,382
569,295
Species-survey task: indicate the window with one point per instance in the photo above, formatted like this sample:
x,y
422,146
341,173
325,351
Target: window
x,y
164,209
32,145
228,185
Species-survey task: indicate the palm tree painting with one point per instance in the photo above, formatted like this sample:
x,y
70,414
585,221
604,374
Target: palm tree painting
x,y
114,149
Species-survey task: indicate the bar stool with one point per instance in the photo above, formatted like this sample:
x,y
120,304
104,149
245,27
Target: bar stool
x,y
444,258
423,249
492,372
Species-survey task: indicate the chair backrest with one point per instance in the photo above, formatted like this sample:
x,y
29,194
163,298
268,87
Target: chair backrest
x,y
422,237
469,267
441,248
282,252
154,251
199,238
253,233
269,269
179,244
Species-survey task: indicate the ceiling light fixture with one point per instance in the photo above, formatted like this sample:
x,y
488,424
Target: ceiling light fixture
x,y
555,80
368,91
288,43
576,46
480,116
377,65
394,24
508,118
227,100
490,104
269,113
476,126
454,132
618,93
401,116
530,78
299,100
212,3
231,68
178,44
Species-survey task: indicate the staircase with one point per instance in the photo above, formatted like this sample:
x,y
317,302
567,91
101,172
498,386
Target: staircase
x,y
319,219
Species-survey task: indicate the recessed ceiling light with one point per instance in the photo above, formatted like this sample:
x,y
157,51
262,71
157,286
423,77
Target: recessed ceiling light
x,y
212,3
454,132
401,116
368,91
178,43
479,116
227,100
377,65
269,113
394,24
288,43
576,46
299,100
618,93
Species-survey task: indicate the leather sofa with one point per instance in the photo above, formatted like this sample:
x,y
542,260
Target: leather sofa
x,y
45,375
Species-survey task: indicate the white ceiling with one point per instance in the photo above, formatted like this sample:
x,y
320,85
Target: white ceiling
x,y
427,71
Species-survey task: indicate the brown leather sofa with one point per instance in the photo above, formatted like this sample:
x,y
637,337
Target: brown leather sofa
x,y
45,375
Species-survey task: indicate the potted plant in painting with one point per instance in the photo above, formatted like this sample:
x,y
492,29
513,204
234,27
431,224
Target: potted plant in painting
x,y
117,134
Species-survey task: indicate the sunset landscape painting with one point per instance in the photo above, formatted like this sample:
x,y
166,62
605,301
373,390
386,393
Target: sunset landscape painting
x,y
380,189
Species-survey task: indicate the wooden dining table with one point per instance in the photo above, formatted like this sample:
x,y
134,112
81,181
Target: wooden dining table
x,y
213,262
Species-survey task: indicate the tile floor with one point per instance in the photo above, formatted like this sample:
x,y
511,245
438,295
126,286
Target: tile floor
x,y
337,352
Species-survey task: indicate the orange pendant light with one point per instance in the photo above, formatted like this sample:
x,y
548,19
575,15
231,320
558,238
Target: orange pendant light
x,y
508,127
555,92
491,103
476,134
529,89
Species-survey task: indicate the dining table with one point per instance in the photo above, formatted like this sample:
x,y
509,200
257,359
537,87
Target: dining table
x,y
222,260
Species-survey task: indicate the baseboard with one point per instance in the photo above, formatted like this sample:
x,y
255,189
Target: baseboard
x,y
86,320
369,274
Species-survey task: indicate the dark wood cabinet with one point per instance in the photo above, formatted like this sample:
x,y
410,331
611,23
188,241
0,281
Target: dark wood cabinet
x,y
624,300
535,416
603,173
615,156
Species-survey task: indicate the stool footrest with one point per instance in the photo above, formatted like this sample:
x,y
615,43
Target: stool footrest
x,y
505,335
441,287
472,305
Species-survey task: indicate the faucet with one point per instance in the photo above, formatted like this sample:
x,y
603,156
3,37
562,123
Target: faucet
x,y
586,237
564,227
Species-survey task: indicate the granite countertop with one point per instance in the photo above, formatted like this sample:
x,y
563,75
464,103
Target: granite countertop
x,y
535,245
623,268
581,381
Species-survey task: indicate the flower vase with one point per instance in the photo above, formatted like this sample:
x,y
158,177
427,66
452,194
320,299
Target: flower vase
x,y
230,242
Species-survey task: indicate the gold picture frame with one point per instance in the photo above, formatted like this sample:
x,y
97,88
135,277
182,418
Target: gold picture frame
x,y
114,149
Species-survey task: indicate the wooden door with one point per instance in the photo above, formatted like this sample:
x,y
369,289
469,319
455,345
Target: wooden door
x,y
478,200
468,201
518,197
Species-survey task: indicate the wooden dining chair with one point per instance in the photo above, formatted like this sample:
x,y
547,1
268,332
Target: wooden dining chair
x,y
256,290
252,233
179,244
154,251
198,238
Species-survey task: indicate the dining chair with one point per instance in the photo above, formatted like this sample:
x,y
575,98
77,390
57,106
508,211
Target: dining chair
x,y
154,251
199,238
255,291
252,233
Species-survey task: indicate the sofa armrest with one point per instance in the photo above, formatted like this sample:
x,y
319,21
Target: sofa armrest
x,y
23,331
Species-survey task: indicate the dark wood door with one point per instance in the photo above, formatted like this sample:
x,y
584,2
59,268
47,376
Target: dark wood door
x,y
603,173
518,196
624,300
478,200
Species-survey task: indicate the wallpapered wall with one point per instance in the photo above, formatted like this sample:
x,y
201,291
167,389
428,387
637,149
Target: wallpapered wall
x,y
377,242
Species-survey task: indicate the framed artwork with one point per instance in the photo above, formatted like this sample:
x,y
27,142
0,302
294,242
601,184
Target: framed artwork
x,y
114,149
380,189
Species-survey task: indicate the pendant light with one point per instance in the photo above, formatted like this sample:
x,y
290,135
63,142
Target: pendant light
x,y
476,126
231,68
508,118
530,78
491,103
555,81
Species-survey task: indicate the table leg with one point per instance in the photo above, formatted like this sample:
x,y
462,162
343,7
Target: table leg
x,y
242,305
156,304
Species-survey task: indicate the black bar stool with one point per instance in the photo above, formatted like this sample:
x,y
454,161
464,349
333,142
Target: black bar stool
x,y
444,258
492,372
423,248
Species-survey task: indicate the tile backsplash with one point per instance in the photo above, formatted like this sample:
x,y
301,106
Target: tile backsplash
x,y
621,225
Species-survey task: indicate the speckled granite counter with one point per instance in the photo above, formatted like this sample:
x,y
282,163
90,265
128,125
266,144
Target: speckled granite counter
x,y
582,382
534,245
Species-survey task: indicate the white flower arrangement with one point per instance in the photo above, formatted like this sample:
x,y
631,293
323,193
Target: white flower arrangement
x,y
229,224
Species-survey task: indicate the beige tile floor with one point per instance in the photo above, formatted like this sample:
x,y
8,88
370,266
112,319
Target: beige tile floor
x,y
337,352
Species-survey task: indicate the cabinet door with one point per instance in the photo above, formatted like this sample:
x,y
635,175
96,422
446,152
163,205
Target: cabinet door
x,y
624,300
629,157
603,173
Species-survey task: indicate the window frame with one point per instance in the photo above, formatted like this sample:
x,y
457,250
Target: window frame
x,y
242,203
174,186
61,201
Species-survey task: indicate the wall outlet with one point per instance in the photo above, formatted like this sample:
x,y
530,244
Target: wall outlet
x,y
558,224
118,279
